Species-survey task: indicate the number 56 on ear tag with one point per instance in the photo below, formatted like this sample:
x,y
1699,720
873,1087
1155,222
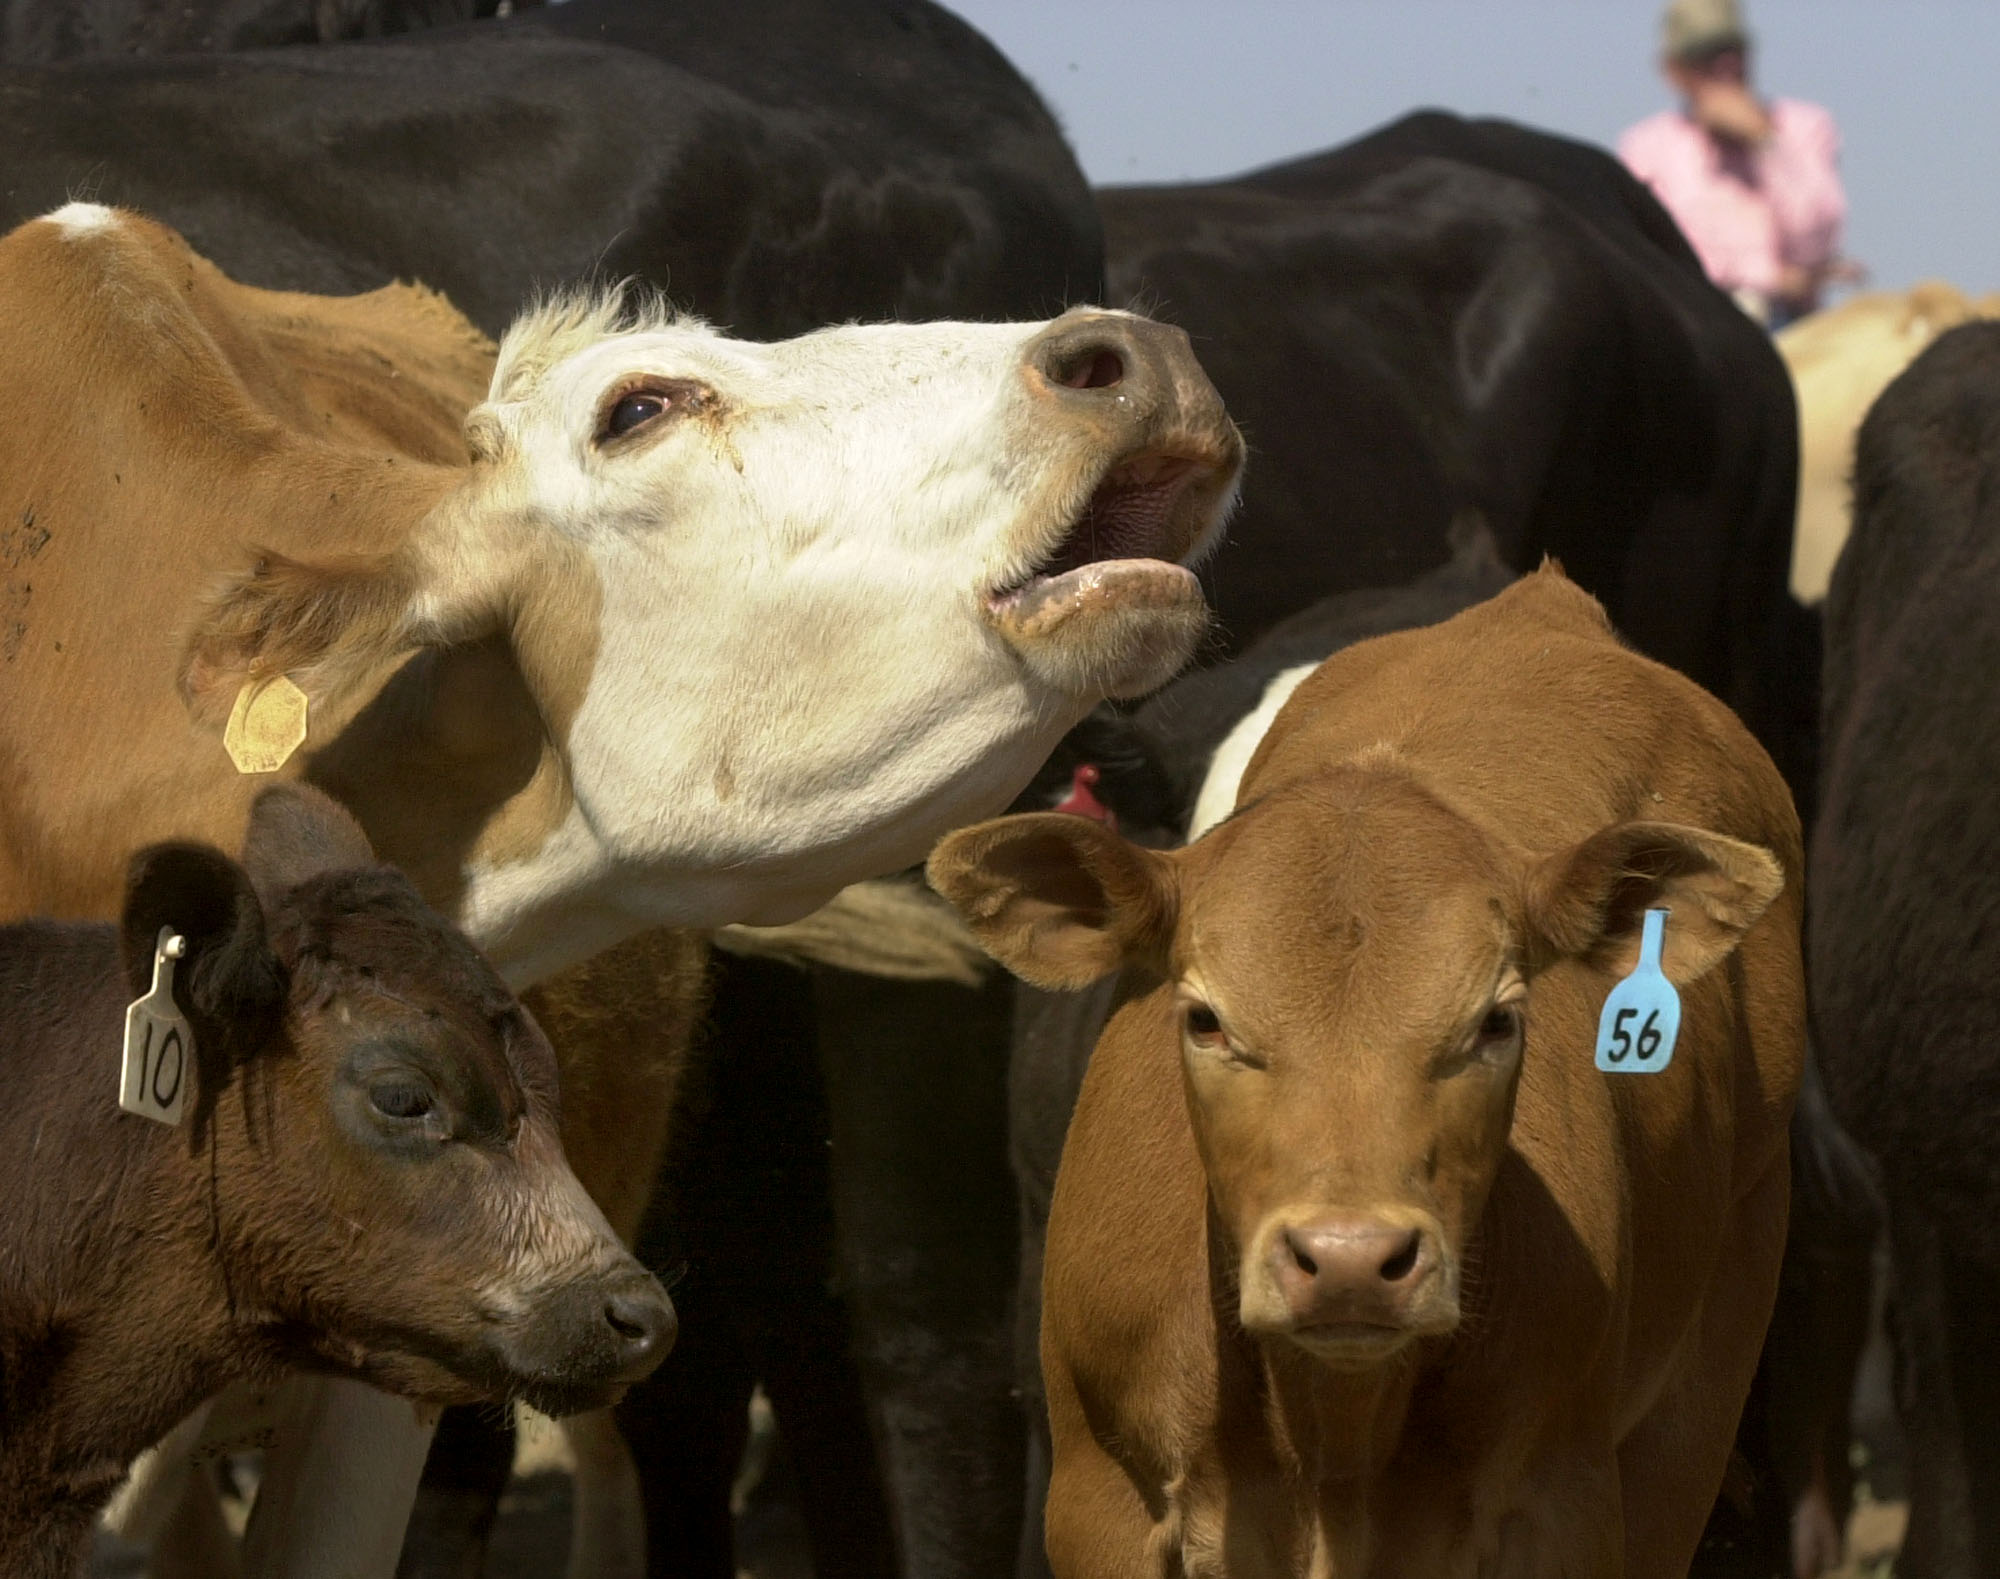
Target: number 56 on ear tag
x,y
1642,1016
159,1043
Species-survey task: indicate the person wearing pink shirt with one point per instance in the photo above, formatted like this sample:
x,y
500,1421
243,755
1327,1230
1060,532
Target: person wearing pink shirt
x,y
1754,185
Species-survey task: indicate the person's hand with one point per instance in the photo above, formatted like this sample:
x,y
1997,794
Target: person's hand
x,y
1730,109
1797,287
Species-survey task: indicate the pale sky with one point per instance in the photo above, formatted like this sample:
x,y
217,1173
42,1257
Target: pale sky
x,y
1169,90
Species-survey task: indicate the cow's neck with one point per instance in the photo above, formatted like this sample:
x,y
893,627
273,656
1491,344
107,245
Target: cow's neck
x,y
114,1320
450,762
458,762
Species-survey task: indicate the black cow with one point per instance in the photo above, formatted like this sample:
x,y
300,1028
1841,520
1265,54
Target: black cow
x,y
775,164
41,32
1449,315
1904,889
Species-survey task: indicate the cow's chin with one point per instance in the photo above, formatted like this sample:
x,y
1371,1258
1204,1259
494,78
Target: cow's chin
x,y
1352,1346
1114,627
474,1378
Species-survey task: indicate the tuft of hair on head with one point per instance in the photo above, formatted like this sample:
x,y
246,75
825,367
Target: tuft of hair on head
x,y
556,327
567,321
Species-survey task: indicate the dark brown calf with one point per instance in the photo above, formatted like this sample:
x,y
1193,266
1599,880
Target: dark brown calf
x,y
367,1179
1357,1263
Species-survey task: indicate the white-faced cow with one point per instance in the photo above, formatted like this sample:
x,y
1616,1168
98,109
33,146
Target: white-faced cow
x,y
364,1178
1357,1263
632,649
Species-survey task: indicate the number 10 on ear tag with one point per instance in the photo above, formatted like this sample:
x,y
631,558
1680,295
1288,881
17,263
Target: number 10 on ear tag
x,y
1642,1016
159,1043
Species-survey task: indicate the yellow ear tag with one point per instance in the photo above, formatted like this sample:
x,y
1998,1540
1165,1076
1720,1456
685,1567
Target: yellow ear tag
x,y
267,724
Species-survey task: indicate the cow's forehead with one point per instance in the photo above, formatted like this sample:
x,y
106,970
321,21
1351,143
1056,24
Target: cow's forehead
x,y
825,363
371,930
1359,887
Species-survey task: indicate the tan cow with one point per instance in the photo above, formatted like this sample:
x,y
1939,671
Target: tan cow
x,y
1840,360
628,624
1357,1263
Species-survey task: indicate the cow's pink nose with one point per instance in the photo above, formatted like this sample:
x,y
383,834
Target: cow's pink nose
x,y
1352,1270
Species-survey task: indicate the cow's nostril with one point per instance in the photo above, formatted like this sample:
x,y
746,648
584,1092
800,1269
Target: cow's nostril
x,y
1090,367
642,1321
624,1324
1304,1262
1404,1261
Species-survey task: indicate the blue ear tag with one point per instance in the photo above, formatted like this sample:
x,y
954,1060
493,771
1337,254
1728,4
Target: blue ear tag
x,y
1642,1016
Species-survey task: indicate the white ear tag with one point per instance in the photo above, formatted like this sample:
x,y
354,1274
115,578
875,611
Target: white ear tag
x,y
159,1043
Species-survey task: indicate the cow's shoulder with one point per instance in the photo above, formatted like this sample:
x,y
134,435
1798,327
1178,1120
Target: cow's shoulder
x,y
120,307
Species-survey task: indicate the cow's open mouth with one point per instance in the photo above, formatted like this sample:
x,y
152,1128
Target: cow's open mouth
x,y
1131,529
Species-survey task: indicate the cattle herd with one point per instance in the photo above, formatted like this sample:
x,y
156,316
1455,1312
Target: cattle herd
x,y
530,542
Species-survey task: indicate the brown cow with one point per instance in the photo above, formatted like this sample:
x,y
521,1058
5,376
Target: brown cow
x,y
1357,1264
366,1179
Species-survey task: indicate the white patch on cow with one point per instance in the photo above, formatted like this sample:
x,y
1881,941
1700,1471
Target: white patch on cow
x,y
796,686
1225,770
77,220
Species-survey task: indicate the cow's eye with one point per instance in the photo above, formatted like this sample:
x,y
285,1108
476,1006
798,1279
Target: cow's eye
x,y
1500,1024
401,1099
634,411
1202,1024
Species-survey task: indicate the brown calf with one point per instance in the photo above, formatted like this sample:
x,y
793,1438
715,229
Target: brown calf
x,y
1357,1263
367,1179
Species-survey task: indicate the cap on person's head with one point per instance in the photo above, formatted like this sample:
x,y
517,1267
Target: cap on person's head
x,y
1693,28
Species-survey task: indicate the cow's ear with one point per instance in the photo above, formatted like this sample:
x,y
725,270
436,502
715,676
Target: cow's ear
x,y
229,983
296,833
1059,900
1589,901
328,626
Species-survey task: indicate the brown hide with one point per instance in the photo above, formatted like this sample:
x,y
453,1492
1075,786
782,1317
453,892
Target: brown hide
x,y
164,419
1514,774
368,1178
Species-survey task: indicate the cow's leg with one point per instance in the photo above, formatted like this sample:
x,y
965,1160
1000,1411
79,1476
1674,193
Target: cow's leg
x,y
916,1078
1053,1033
339,1481
161,1477
609,1527
621,1025
742,1224
1671,1464
466,1471
197,1539
1949,1399
1796,1431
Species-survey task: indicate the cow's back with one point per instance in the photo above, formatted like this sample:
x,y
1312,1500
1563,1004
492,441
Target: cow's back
x,y
1453,315
778,165
165,422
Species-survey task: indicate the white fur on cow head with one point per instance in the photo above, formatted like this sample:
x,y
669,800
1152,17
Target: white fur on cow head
x,y
793,610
